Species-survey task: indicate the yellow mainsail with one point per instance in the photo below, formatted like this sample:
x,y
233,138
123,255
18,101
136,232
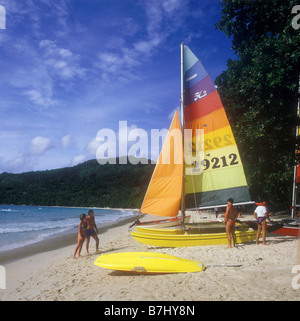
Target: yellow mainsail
x,y
220,175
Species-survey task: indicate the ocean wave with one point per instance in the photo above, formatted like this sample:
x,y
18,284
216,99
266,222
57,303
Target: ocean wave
x,y
7,210
29,241
33,227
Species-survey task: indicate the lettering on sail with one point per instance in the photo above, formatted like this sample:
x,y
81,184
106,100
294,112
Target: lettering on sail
x,y
200,94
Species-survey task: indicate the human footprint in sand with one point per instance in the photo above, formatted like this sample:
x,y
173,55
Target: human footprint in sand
x,y
92,231
82,234
229,221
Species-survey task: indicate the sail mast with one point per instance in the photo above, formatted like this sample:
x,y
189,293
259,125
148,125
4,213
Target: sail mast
x,y
295,167
182,85
182,126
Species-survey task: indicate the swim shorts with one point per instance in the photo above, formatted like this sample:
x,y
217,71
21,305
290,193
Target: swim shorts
x,y
90,232
260,220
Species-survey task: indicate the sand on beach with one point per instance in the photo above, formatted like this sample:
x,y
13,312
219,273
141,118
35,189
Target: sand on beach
x,y
266,273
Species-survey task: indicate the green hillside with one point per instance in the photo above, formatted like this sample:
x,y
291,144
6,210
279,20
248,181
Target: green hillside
x,y
88,184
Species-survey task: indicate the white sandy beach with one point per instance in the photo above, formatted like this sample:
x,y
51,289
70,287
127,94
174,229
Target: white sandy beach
x,y
265,273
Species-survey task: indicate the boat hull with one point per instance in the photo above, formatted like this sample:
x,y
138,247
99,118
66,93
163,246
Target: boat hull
x,y
291,227
288,231
186,240
193,228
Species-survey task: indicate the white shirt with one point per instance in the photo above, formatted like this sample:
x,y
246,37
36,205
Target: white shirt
x,y
260,211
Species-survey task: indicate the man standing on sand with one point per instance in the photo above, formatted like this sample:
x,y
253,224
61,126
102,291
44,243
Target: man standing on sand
x,y
261,214
229,221
91,227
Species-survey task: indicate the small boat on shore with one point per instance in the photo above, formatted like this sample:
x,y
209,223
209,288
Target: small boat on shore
x,y
289,227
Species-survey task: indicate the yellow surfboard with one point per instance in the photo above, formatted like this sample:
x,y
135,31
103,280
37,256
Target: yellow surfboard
x,y
148,262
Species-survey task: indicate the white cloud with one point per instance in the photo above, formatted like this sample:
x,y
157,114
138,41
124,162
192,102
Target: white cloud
x,y
65,53
39,98
172,6
31,77
15,165
172,113
78,159
60,61
38,79
154,15
65,141
146,47
39,145
30,12
2,17
164,13
110,62
120,66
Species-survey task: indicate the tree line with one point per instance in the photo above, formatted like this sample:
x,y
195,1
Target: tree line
x,y
88,185
259,91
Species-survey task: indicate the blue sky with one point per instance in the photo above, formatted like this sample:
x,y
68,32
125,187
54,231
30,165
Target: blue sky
x,y
69,68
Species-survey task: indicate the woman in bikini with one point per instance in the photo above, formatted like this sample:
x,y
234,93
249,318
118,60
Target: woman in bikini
x,y
229,221
81,235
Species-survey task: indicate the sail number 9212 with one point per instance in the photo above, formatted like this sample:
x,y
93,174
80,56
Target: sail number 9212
x,y
215,163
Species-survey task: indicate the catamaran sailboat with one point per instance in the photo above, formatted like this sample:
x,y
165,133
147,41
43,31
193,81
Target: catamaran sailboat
x,y
199,166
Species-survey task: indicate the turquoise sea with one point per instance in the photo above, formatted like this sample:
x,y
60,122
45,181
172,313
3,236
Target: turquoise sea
x,y
24,225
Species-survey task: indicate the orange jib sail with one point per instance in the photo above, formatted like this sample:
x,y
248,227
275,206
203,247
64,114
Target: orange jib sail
x,y
164,191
